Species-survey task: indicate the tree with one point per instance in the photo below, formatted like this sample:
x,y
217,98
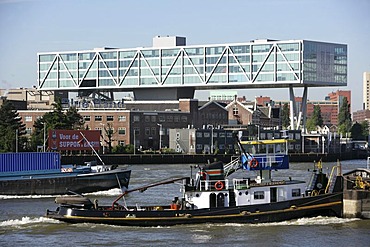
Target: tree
x,y
356,132
108,136
360,131
315,120
74,119
344,118
285,119
365,129
12,129
56,119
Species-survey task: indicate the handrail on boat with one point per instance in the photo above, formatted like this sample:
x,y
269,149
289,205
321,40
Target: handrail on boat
x,y
336,168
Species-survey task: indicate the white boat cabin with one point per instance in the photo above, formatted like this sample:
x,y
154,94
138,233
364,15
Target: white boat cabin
x,y
212,187
240,192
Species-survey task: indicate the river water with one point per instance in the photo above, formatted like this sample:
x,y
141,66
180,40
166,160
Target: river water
x,y
22,222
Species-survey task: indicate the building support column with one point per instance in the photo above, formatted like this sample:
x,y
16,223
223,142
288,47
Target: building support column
x,y
292,108
302,113
295,121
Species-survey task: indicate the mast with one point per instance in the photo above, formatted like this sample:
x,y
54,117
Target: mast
x,y
92,148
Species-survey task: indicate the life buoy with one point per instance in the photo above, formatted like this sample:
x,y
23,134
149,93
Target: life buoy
x,y
253,163
219,185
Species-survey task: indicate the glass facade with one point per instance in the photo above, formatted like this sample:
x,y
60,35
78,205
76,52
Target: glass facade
x,y
254,64
324,62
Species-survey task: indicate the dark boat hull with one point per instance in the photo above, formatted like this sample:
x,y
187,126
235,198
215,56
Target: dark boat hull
x,y
324,205
61,183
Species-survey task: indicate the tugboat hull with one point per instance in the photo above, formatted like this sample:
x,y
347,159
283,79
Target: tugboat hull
x,y
321,205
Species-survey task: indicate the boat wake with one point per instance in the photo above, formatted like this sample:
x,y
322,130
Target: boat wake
x,y
27,221
319,220
4,197
111,192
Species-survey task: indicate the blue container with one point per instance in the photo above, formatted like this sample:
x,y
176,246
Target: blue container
x,y
18,162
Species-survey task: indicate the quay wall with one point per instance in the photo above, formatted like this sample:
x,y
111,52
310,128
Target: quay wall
x,y
131,159
356,204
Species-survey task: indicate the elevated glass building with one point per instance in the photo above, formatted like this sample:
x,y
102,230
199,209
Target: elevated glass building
x,y
172,70
260,63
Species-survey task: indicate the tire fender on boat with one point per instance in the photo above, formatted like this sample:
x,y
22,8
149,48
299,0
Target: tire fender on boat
x,y
219,185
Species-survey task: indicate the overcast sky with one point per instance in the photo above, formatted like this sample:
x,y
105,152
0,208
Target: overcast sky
x,y
31,26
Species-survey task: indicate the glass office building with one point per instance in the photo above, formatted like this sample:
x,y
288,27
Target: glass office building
x,y
256,64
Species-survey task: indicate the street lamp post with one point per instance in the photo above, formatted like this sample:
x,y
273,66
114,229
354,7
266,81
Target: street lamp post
x,y
103,134
16,140
160,136
210,125
134,141
44,137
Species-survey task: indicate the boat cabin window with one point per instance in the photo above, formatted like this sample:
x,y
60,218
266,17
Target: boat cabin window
x,y
296,192
259,195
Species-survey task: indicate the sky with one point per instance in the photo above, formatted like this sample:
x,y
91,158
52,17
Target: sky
x,y
31,26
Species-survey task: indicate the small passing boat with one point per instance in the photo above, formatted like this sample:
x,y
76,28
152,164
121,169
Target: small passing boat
x,y
24,174
212,195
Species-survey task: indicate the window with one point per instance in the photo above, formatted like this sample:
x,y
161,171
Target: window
x,y
184,119
259,195
199,146
170,119
121,130
154,131
28,131
98,118
147,119
86,118
28,118
154,119
136,118
235,111
296,192
199,134
177,119
136,131
147,131
161,118
122,118
122,143
110,118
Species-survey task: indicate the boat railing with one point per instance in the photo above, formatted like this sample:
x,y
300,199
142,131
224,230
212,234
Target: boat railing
x,y
232,166
335,171
270,160
240,184
208,185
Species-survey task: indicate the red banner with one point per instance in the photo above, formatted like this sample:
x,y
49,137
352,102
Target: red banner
x,y
74,140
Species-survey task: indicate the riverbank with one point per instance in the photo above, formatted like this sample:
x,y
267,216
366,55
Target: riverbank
x,y
110,159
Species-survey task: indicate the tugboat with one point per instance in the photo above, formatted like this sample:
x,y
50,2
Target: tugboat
x,y
212,196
